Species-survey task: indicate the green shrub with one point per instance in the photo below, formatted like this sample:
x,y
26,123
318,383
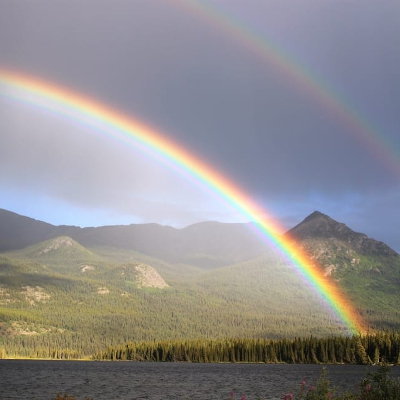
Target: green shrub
x,y
375,386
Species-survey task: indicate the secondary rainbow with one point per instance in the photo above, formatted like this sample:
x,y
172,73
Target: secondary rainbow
x,y
71,104
324,95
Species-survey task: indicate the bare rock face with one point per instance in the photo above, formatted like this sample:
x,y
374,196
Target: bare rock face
x,y
85,268
103,290
148,277
34,295
57,243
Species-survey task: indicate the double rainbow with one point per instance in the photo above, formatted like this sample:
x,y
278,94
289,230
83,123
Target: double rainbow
x,y
71,104
324,96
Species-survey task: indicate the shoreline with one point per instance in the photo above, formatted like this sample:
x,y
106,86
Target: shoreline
x,y
190,362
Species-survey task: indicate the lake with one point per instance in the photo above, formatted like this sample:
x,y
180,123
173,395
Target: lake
x,y
32,379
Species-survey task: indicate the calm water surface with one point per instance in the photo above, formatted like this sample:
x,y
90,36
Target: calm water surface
x,y
127,380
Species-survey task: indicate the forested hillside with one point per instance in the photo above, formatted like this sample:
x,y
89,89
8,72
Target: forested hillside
x,y
64,299
85,303
368,270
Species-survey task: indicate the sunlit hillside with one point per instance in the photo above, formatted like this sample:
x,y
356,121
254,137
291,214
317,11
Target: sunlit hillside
x,y
60,295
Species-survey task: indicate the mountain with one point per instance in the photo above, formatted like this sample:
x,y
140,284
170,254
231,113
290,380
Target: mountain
x,y
71,292
207,244
319,226
17,232
366,269
335,245
62,247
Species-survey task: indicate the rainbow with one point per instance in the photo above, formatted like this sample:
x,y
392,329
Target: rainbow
x,y
324,95
71,104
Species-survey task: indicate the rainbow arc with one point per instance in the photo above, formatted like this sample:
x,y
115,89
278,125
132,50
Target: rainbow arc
x,y
101,117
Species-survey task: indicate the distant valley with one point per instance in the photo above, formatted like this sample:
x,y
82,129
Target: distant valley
x,y
78,290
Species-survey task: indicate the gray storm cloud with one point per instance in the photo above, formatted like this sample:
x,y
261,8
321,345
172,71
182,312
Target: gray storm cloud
x,y
207,89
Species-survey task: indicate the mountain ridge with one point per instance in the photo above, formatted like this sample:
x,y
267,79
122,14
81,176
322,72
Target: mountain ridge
x,y
89,288
197,244
18,231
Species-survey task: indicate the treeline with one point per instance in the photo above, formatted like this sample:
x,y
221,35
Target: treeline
x,y
370,349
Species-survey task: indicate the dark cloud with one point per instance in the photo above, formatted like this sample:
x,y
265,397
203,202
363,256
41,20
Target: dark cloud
x,y
208,89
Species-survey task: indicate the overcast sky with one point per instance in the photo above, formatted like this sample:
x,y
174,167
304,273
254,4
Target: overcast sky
x,y
202,73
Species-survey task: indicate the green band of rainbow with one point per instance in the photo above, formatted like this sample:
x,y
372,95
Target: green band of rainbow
x,y
88,111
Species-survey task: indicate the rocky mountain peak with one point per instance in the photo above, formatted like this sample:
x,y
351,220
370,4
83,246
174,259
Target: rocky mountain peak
x,y
319,226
